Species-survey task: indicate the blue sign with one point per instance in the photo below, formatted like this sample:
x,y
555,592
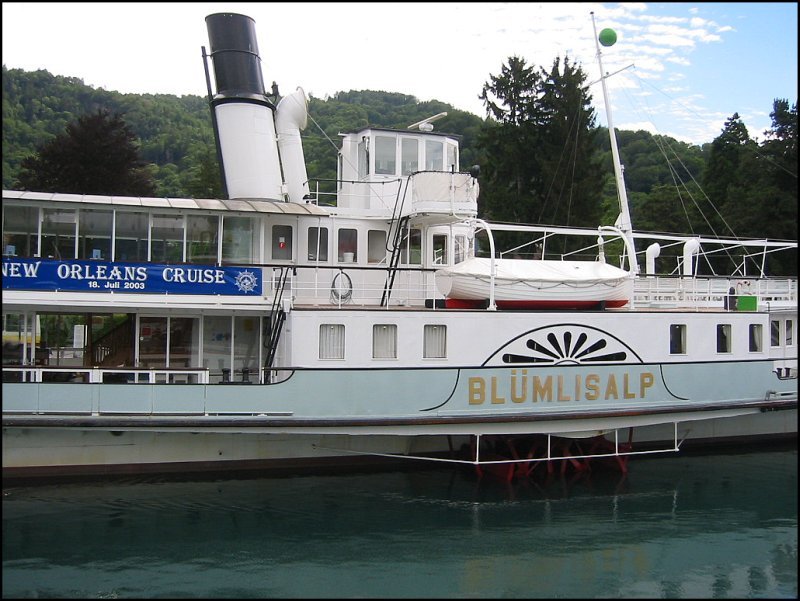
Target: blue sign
x,y
149,278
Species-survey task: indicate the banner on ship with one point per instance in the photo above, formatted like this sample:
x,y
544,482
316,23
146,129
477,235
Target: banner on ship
x,y
105,276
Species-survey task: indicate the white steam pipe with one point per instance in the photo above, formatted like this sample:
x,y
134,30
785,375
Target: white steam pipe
x,y
689,249
291,117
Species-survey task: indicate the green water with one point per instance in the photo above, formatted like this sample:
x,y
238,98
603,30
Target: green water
x,y
682,526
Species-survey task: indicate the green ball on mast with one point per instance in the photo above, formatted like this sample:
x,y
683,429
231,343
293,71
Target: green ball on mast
x,y
607,37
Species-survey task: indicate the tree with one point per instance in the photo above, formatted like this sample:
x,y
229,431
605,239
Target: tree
x,y
97,154
541,164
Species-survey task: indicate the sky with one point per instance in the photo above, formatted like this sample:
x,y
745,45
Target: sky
x,y
679,69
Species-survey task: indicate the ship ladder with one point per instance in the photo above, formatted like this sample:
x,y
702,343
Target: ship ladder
x,y
400,234
277,317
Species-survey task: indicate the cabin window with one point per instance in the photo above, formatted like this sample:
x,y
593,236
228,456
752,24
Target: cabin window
x,y
435,342
94,234
153,341
166,239
434,155
20,231
774,333
363,158
131,236
331,341
238,239
217,339
411,247
385,155
789,332
440,249
756,337
677,339
376,246
348,245
384,341
58,233
201,234
452,157
723,338
184,342
282,242
410,155
245,348
19,341
317,244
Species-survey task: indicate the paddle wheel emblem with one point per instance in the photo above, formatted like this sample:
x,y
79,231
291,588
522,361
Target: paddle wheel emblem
x,y
566,344
246,281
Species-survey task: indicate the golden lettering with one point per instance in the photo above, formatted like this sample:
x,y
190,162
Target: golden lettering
x,y
561,396
540,390
611,387
627,393
477,391
496,400
520,397
646,380
592,387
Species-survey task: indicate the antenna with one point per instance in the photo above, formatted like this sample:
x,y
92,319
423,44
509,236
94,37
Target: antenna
x,y
427,124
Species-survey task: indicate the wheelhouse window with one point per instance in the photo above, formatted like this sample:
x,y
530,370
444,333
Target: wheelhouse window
x,y
756,336
677,339
20,231
376,246
94,234
317,244
363,158
201,234
440,249
723,338
384,341
409,159
331,341
386,155
452,157
347,245
434,155
435,342
282,242
411,247
460,250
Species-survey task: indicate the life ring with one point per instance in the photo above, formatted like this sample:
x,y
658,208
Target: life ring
x,y
341,288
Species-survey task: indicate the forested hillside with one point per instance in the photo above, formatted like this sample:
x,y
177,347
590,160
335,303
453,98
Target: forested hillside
x,y
731,185
175,132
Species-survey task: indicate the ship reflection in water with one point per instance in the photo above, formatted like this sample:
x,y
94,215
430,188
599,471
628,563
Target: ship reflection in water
x,y
721,526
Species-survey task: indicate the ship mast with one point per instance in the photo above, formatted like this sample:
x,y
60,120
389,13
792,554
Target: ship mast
x,y
624,219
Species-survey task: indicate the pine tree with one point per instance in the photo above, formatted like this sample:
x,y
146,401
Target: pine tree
x,y
97,154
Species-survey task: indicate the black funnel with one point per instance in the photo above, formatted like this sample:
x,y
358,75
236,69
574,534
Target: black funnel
x,y
234,52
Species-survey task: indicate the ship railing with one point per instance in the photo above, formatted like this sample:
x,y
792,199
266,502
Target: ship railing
x,y
445,192
343,286
104,375
712,292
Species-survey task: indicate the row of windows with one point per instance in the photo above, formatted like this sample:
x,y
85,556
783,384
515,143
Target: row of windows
x,y
384,341
779,335
435,156
161,238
